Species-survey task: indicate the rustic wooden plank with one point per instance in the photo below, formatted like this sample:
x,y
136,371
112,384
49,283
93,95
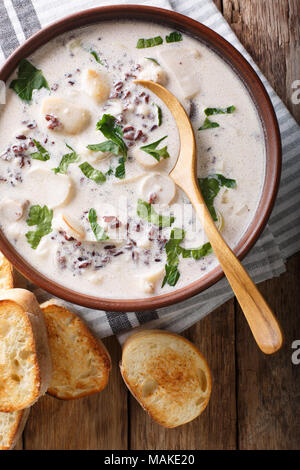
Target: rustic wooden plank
x,y
269,386
95,422
293,56
216,427
270,32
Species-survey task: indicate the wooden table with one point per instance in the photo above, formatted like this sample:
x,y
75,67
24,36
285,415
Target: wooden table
x,y
255,401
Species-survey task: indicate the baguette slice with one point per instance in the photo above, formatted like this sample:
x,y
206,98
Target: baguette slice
x,y
81,363
6,273
11,428
25,361
167,375
9,276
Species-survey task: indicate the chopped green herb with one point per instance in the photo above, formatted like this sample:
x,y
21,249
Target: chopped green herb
x,y
173,250
174,37
157,154
145,211
172,275
98,231
66,160
120,170
172,246
151,42
29,78
91,173
107,146
159,114
107,125
109,172
42,153
208,124
42,218
96,57
196,253
152,60
210,187
212,111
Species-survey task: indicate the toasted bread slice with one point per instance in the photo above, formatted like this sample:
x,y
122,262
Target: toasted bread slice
x,y
25,361
168,376
9,276
6,273
11,428
81,363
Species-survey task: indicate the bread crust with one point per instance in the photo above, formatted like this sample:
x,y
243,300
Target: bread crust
x,y
16,429
134,390
54,311
37,332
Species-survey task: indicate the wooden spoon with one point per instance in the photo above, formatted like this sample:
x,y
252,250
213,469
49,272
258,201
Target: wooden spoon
x,y
260,318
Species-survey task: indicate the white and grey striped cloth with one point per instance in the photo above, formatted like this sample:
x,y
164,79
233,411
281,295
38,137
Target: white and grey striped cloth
x,y
19,19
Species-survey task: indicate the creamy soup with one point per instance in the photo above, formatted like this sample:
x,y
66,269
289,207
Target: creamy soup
x,y
85,156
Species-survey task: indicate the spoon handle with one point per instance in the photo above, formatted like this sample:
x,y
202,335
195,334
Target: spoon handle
x,y
259,315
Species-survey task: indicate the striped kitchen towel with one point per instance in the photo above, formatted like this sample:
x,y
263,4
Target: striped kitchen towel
x,y
19,19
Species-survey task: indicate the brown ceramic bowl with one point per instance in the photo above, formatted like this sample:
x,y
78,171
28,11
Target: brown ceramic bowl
x,y
261,102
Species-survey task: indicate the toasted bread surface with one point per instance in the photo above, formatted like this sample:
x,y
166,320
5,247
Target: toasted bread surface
x,y
81,363
11,427
6,273
167,374
25,361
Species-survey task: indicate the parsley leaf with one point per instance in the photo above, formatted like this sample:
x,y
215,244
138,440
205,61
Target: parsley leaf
x,y
107,146
152,60
196,253
42,153
107,125
151,42
159,114
96,57
42,218
157,154
145,211
172,275
212,111
120,170
91,173
208,124
173,250
98,231
29,78
175,36
66,160
210,187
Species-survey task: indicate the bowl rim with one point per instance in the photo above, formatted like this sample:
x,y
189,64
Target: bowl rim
x,y
263,106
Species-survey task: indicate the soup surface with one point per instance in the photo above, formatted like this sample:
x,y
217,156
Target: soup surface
x,y
85,156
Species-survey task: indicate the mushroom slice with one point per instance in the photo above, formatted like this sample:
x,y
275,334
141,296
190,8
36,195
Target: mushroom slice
x,y
94,157
160,187
145,160
46,187
183,65
12,209
73,227
64,116
96,85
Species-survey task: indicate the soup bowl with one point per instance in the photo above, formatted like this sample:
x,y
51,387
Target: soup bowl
x,y
261,102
